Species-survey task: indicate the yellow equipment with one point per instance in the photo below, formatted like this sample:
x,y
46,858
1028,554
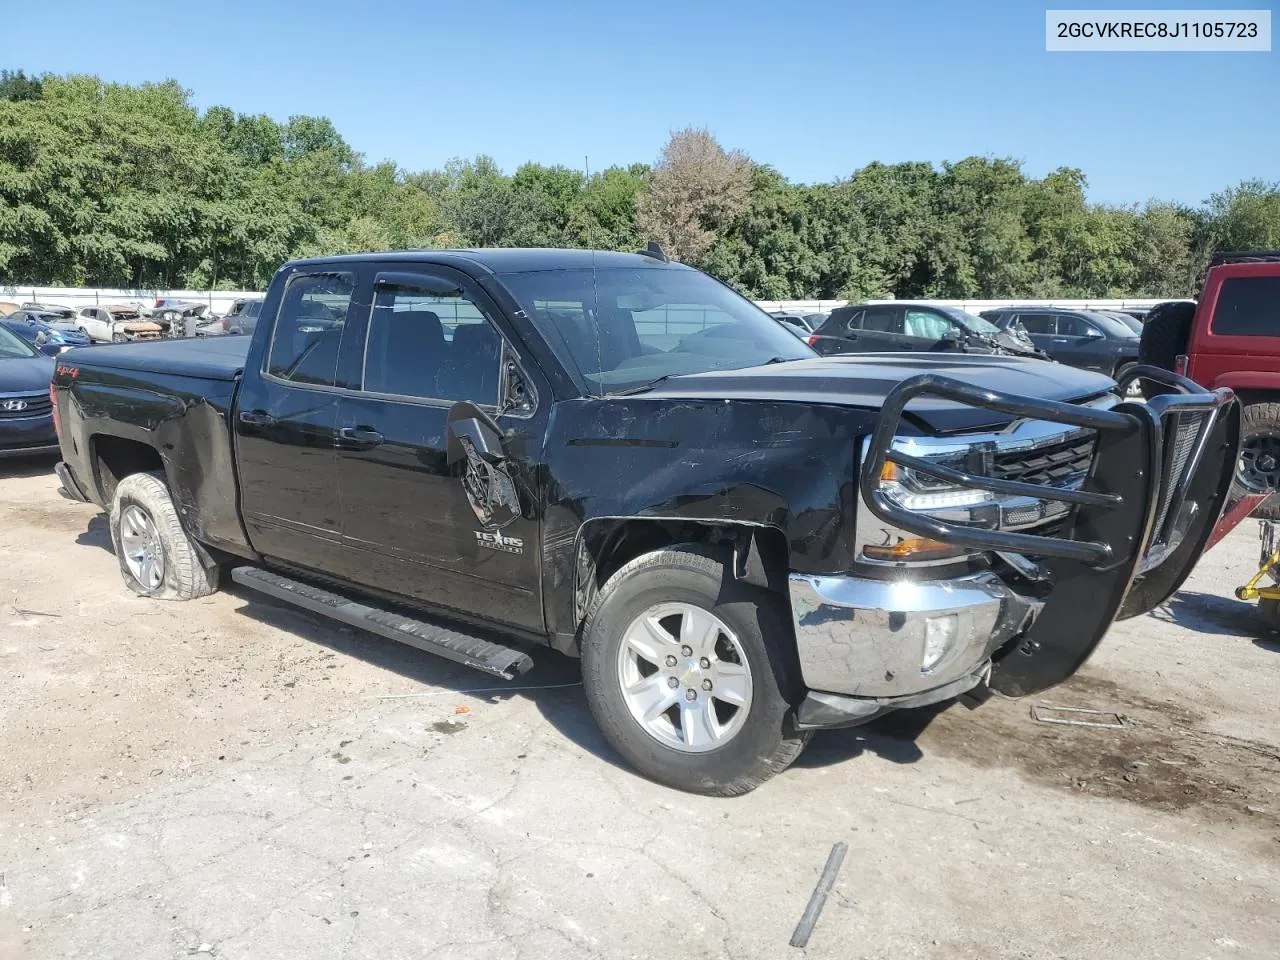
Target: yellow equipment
x,y
1268,597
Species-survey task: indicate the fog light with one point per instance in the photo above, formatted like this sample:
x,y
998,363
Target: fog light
x,y
940,635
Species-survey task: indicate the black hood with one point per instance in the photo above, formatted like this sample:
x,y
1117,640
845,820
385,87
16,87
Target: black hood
x,y
25,374
865,380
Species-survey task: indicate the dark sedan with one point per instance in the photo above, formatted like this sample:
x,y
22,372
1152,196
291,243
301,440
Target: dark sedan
x,y
26,416
1078,338
47,332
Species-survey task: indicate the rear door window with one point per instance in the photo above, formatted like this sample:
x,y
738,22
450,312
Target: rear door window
x,y
308,331
1248,307
1038,323
882,320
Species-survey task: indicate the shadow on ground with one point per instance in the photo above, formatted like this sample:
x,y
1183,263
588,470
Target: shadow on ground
x,y
25,467
1221,616
97,534
554,686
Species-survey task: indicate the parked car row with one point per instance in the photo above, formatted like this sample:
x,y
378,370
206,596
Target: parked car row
x,y
52,328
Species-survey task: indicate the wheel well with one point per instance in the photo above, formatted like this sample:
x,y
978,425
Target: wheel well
x,y
758,554
1249,396
115,458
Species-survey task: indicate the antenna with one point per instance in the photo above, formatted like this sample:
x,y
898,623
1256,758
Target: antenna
x,y
654,251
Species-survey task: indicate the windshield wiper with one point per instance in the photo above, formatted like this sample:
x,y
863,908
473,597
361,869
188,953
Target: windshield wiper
x,y
641,388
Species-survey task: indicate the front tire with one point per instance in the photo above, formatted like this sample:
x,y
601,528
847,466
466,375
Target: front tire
x,y
723,726
157,558
1258,468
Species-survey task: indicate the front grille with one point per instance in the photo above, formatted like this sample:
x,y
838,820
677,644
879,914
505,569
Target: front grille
x,y
1181,432
35,405
1052,465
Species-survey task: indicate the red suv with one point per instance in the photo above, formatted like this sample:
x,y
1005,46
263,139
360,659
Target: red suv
x,y
1231,338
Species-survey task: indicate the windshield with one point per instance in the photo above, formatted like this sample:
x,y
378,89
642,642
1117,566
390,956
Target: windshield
x,y
12,346
1113,327
623,327
1133,323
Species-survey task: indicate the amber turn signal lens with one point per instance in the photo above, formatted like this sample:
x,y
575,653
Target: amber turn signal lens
x,y
913,548
889,472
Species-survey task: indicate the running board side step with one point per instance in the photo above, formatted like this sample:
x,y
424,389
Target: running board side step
x,y
445,642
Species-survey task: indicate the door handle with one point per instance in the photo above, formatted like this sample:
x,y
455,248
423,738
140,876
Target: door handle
x,y
256,418
360,436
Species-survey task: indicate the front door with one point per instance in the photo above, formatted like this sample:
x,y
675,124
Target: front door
x,y
926,330
285,422
1082,345
439,495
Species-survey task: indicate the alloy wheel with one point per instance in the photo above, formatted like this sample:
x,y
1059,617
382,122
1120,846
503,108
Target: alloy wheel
x,y
140,544
685,677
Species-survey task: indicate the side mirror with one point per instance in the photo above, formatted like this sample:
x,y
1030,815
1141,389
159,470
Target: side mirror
x,y
469,427
1092,334
951,336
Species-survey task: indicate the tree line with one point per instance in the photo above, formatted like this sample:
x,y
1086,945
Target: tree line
x,y
107,184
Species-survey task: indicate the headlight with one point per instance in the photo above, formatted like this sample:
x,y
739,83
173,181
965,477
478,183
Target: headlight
x,y
1034,452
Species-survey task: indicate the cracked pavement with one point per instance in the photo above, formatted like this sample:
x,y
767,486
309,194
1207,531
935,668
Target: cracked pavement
x,y
230,778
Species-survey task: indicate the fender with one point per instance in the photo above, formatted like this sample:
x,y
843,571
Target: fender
x,y
1247,380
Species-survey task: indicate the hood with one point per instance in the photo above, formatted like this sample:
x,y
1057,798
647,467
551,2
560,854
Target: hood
x,y
865,379
25,374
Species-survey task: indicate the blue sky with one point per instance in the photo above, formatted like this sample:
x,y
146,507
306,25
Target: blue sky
x,y
817,89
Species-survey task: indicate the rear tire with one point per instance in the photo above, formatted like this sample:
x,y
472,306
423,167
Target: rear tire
x,y
682,605
157,558
1270,610
1164,337
1258,468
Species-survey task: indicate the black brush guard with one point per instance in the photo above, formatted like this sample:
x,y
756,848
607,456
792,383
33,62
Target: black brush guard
x,y
1156,486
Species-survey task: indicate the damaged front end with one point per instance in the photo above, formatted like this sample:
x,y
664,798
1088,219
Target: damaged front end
x,y
1004,557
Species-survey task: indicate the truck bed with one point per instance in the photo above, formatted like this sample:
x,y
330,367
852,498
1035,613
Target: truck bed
x,y
210,358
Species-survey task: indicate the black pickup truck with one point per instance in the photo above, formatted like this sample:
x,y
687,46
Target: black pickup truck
x,y
476,451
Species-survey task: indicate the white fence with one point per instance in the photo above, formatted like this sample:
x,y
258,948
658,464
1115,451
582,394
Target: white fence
x,y
220,300
76,297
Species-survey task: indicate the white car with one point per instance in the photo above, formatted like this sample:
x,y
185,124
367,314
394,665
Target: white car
x,y
118,323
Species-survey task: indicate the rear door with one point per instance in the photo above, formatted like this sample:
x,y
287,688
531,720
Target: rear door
x,y
435,463
286,422
1042,329
882,329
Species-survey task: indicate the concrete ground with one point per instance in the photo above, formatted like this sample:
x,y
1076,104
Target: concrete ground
x,y
230,778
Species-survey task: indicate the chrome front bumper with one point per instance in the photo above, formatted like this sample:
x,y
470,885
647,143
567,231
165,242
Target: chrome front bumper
x,y
867,638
